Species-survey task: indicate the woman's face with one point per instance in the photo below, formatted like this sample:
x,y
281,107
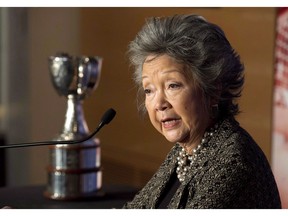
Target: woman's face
x,y
175,106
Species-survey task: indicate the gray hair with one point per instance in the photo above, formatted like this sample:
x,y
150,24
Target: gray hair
x,y
204,50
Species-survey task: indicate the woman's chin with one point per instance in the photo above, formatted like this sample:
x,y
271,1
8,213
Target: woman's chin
x,y
174,136
172,139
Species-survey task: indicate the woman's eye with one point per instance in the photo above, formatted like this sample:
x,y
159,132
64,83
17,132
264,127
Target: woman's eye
x,y
147,91
174,85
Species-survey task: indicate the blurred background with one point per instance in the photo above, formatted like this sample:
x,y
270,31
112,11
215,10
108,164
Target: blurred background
x,y
31,110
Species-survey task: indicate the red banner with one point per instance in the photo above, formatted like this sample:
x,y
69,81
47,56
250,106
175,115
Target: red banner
x,y
280,107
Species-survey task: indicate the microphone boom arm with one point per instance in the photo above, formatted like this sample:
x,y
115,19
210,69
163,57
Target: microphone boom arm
x,y
107,117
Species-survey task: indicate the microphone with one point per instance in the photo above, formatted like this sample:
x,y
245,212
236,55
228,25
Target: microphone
x,y
106,119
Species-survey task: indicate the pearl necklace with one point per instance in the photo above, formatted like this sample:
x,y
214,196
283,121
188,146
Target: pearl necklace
x,y
185,160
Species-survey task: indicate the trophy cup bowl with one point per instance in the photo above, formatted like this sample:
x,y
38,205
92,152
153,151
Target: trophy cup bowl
x,y
74,171
78,76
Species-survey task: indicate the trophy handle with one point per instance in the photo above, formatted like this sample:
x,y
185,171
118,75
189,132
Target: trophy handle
x,y
89,71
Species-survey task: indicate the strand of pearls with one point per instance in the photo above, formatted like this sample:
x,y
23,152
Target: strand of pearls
x,y
185,160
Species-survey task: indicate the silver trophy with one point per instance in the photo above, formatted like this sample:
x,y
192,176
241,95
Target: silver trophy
x,y
75,170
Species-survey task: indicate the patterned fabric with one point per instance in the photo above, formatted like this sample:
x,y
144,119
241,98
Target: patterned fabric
x,y
231,172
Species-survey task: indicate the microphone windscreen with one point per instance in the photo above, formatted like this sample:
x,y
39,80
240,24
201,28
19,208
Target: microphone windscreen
x,y
108,116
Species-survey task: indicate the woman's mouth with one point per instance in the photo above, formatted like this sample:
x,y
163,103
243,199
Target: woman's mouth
x,y
170,123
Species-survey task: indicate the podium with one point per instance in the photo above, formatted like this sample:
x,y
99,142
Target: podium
x,y
31,197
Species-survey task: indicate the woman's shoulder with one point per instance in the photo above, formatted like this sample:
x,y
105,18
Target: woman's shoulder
x,y
232,133
235,142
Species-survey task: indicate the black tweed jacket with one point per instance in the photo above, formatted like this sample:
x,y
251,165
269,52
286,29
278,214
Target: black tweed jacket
x,y
230,172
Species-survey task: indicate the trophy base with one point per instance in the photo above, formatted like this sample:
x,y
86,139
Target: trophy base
x,y
65,185
74,171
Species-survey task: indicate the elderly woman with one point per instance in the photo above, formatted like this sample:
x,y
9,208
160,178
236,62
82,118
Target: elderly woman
x,y
190,77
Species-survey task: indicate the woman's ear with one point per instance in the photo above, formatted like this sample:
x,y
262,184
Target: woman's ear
x,y
214,111
214,102
216,95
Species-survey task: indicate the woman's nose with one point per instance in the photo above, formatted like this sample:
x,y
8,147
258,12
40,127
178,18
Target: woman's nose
x,y
161,102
